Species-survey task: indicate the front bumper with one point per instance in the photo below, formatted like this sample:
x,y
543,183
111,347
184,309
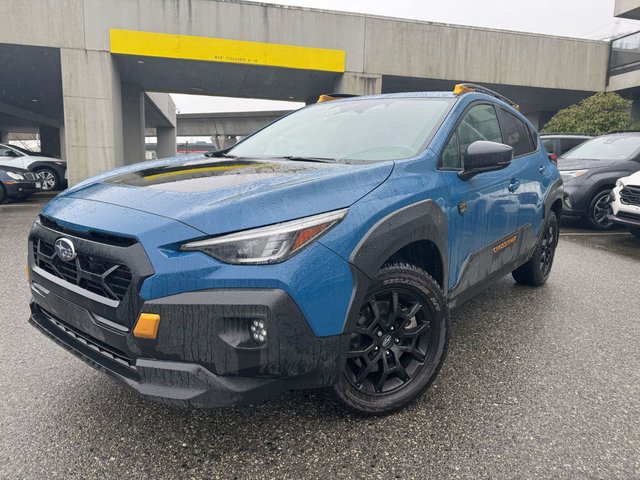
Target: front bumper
x,y
19,188
203,355
625,213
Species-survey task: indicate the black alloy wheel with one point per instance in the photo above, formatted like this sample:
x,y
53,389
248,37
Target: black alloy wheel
x,y
398,343
548,247
599,210
536,271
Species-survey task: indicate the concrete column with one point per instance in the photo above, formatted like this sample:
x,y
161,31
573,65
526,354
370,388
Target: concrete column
x,y
4,136
359,84
92,112
133,123
50,140
167,142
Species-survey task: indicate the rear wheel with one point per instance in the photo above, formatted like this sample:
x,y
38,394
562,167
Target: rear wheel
x,y
635,231
536,271
3,193
49,178
398,343
599,209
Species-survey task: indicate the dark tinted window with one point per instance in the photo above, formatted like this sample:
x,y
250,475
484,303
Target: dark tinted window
x,y
479,123
516,134
569,143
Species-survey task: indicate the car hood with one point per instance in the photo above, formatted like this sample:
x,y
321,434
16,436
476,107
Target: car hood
x,y
633,180
45,158
582,164
217,195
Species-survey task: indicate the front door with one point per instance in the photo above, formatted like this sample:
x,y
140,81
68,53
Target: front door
x,y
483,212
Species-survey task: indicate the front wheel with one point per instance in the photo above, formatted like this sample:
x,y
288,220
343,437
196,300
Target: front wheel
x,y
599,210
398,343
536,271
49,178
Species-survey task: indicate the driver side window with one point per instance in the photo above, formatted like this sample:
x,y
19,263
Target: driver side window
x,y
7,152
479,123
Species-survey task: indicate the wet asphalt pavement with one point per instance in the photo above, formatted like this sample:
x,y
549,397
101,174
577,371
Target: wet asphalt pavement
x,y
538,383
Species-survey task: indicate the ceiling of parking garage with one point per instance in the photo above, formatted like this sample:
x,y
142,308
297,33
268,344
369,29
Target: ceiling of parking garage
x,y
224,79
30,86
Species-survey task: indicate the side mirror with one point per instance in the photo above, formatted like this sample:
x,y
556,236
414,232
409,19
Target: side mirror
x,y
483,156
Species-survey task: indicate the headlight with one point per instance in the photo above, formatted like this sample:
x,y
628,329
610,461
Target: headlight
x,y
271,244
619,183
565,174
16,175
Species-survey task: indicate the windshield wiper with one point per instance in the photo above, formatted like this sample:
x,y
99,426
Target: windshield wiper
x,y
309,159
219,154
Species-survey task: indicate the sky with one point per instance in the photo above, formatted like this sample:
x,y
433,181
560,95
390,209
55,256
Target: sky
x,y
571,18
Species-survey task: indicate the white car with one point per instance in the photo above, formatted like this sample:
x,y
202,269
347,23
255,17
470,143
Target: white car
x,y
625,203
51,170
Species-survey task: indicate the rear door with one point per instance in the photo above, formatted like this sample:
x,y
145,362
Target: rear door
x,y
529,169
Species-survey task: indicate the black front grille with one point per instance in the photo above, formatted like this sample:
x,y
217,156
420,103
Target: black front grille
x,y
630,195
95,274
629,216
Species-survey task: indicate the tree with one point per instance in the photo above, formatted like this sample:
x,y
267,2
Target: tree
x,y
598,114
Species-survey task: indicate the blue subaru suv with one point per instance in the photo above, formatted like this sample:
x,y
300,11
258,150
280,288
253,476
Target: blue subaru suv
x,y
324,250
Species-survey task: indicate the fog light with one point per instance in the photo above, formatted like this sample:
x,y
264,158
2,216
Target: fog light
x,y
258,331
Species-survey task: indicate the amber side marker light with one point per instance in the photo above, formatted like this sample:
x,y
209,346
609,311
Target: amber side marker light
x,y
328,97
147,326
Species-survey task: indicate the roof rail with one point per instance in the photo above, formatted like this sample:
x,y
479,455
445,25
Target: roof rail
x,y
568,134
462,88
327,97
622,131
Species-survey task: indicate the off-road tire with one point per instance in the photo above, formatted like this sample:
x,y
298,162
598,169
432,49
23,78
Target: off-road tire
x,y
418,330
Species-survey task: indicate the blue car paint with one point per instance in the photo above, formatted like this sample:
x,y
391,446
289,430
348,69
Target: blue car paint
x,y
319,278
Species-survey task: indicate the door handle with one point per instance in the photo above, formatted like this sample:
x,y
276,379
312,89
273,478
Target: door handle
x,y
542,169
513,186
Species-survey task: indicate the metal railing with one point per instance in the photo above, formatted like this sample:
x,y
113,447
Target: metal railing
x,y
625,54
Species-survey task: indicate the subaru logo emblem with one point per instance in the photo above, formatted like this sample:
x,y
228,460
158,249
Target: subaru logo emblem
x,y
65,249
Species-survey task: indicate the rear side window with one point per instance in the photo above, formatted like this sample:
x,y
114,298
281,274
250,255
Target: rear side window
x,y
569,143
549,145
516,134
478,123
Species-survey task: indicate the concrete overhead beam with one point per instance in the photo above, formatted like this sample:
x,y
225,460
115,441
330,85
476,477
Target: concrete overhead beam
x,y
232,123
164,107
627,9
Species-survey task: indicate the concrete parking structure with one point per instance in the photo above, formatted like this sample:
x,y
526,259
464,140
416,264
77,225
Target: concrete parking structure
x,y
82,71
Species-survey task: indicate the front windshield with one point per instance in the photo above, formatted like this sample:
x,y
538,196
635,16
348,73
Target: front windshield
x,y
360,130
608,147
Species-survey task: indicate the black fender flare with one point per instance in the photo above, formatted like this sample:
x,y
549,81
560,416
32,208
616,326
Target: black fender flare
x,y
419,221
556,192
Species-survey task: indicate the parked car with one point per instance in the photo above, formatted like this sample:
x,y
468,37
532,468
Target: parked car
x,y
590,172
17,184
323,250
560,143
51,170
625,203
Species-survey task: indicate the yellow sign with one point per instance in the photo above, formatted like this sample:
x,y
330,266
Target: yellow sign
x,y
188,47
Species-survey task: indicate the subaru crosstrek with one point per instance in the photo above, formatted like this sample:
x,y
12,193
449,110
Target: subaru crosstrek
x,y
324,250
